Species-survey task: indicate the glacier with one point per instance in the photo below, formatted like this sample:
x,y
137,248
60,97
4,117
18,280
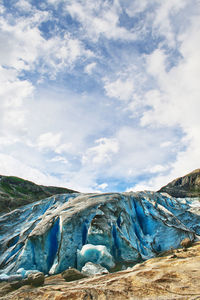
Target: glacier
x,y
115,230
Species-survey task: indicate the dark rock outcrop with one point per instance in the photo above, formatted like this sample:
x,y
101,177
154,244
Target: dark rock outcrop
x,y
72,274
186,186
35,279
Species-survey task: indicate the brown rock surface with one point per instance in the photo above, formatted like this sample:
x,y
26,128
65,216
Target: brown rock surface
x,y
168,277
186,243
35,279
72,274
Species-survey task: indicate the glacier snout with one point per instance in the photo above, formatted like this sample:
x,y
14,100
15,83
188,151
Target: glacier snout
x,y
109,229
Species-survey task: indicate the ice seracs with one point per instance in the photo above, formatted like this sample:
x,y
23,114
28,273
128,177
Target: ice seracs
x,y
95,253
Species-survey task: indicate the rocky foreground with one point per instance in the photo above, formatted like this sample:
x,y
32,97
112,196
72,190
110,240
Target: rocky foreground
x,y
173,276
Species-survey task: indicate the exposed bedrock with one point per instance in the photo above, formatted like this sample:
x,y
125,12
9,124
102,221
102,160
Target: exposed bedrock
x,y
186,186
112,229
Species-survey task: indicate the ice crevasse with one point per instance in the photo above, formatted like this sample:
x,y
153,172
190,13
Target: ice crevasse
x,y
113,229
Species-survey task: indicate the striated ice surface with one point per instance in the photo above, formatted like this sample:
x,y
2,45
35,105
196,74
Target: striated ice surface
x,y
70,230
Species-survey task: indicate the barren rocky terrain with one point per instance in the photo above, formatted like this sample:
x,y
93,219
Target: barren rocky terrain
x,y
185,186
173,276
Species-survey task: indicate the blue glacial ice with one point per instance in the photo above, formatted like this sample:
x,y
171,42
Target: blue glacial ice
x,y
96,254
70,230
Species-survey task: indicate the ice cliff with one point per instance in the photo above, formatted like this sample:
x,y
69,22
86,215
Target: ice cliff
x,y
113,230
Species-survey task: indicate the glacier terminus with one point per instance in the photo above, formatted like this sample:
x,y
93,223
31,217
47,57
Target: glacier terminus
x,y
115,230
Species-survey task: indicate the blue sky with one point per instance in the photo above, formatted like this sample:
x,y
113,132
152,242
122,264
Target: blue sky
x,y
99,95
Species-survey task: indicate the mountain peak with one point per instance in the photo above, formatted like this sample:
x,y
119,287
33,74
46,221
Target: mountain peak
x,y
185,186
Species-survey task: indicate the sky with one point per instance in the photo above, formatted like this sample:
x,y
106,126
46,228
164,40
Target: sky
x,y
100,95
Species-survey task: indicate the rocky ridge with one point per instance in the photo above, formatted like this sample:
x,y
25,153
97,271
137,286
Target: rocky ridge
x,y
186,186
16,192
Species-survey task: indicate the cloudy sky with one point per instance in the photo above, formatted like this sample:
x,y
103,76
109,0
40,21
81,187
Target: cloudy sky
x,y
100,95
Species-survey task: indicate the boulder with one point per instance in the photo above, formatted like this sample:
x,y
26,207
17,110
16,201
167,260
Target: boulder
x,y
186,243
91,269
72,274
35,279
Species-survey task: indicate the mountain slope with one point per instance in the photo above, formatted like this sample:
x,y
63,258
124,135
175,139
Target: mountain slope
x,y
186,186
16,192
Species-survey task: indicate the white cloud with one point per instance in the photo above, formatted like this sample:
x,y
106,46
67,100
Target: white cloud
x,y
128,154
156,63
166,144
17,51
8,140
139,152
120,89
24,5
102,153
99,18
2,8
49,140
162,19
13,93
24,47
65,147
63,52
11,166
103,186
176,101
158,168
54,2
134,7
59,159
90,67
140,187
